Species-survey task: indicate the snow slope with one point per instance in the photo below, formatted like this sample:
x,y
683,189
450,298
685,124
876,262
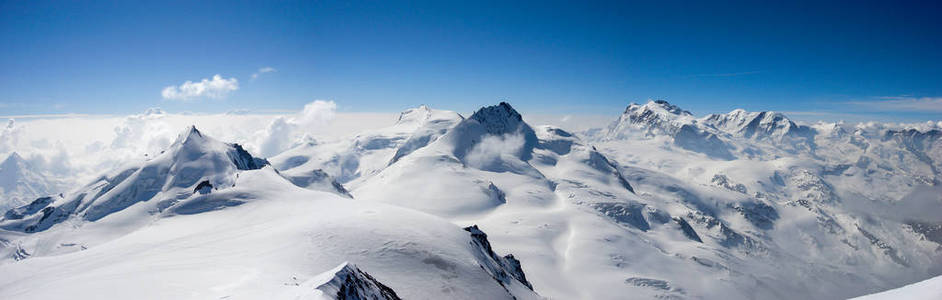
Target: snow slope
x,y
162,234
368,152
926,289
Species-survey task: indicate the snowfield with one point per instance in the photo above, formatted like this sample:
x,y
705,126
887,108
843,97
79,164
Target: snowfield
x,y
661,204
926,289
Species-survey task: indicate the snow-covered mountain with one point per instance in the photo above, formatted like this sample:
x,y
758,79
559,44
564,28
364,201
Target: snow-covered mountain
x,y
668,199
663,204
654,118
847,200
20,182
368,152
757,125
206,219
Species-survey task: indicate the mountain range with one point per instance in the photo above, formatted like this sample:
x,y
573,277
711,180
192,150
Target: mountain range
x,y
661,204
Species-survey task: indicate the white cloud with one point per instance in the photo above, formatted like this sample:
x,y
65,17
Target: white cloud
x,y
493,149
903,104
146,133
284,132
263,70
9,136
316,114
217,87
277,137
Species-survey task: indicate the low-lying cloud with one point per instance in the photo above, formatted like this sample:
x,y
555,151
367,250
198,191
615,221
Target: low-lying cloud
x,y
96,144
903,104
285,131
488,154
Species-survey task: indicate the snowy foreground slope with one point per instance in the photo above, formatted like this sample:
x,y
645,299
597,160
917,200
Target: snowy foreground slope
x,y
926,289
662,204
207,220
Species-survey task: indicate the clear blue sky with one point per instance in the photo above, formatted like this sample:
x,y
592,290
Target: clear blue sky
x,y
860,57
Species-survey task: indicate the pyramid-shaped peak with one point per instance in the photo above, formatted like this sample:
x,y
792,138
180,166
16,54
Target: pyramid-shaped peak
x,y
191,130
498,119
13,157
13,161
499,113
349,282
189,135
502,109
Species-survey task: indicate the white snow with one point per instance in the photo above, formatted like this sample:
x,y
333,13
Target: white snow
x,y
926,289
663,204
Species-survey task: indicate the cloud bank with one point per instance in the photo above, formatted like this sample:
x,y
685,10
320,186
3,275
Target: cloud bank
x,y
215,87
903,104
100,143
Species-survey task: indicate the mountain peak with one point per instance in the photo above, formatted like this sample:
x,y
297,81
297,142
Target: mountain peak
x,y
498,119
756,124
654,117
13,157
189,135
13,161
659,105
417,114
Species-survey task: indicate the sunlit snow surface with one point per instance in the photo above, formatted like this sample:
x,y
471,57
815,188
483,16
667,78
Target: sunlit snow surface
x,y
662,204
926,289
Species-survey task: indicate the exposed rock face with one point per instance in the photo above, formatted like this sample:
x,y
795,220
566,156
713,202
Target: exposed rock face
x,y
688,231
203,188
350,283
29,209
504,269
245,161
759,214
498,119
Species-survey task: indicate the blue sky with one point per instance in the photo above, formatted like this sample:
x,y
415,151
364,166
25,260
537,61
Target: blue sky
x,y
836,60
